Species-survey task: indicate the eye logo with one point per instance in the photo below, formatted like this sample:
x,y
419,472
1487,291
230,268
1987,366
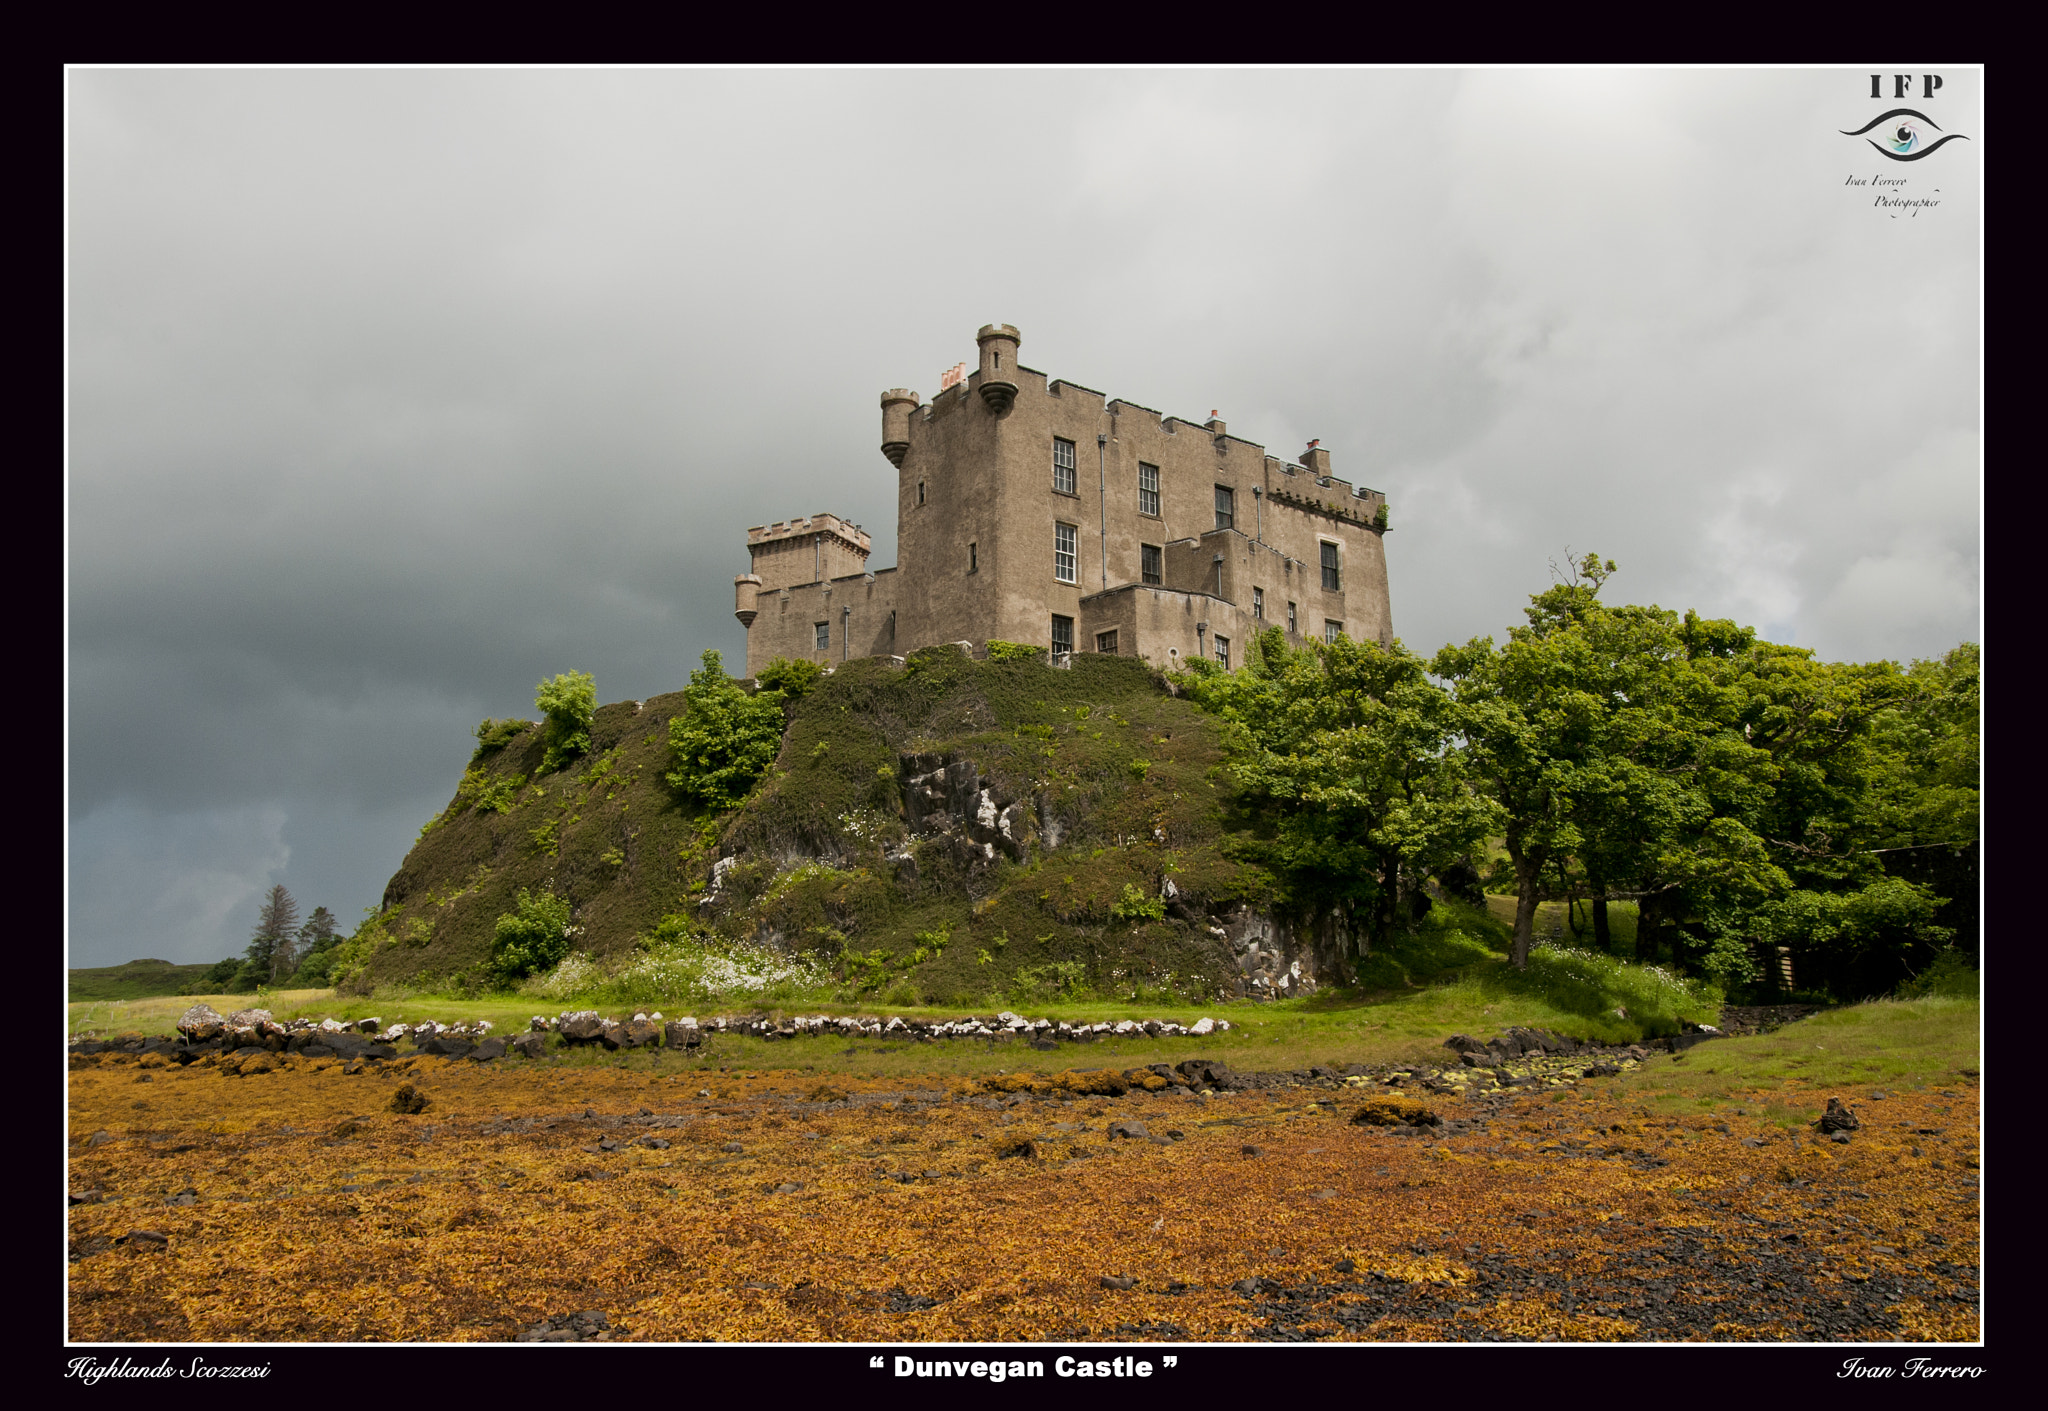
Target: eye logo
x,y
1903,140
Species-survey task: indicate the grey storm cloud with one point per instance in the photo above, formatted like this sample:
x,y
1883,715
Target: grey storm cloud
x,y
392,393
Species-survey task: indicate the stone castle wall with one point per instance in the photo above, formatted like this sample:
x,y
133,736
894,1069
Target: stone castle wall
x,y
979,508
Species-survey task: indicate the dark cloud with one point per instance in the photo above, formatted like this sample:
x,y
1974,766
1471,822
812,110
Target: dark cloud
x,y
392,393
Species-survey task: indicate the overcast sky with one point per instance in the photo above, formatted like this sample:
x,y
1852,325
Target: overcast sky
x,y
393,393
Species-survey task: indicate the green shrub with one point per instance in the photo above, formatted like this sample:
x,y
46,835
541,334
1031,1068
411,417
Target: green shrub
x,y
567,704
535,937
791,680
487,792
1014,651
494,735
1950,976
1135,905
721,746
222,974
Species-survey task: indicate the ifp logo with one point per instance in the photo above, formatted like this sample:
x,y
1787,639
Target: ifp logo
x,y
1904,134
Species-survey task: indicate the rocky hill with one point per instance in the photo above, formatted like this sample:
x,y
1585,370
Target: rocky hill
x,y
940,829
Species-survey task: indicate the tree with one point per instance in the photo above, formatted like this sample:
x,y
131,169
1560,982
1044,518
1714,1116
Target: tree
x,y
567,704
315,945
725,741
1343,753
272,949
1605,752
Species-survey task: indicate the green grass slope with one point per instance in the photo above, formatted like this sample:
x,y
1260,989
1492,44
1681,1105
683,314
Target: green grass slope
x,y
1121,788
138,979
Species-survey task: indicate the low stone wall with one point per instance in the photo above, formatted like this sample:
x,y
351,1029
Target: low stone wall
x,y
202,1031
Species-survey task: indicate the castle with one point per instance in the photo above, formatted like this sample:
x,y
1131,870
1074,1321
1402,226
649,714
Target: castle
x,y
1186,540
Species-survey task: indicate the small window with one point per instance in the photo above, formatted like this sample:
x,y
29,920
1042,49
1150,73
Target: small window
x,y
1226,507
1062,637
1331,583
920,492
824,630
1064,553
1223,651
1148,564
973,559
1105,642
1332,629
1063,466
1148,488
1259,604
1290,617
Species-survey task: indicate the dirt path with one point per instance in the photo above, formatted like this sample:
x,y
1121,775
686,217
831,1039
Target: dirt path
x,y
304,1210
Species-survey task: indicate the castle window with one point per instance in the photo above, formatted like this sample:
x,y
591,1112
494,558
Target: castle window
x,y
1259,604
1223,651
1148,564
1332,629
1062,637
1148,488
1331,583
824,630
973,560
1063,466
1290,617
1226,507
920,492
1105,642
1063,552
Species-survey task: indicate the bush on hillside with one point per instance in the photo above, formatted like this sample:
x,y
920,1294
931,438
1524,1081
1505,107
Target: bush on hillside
x,y
721,746
566,703
533,938
494,735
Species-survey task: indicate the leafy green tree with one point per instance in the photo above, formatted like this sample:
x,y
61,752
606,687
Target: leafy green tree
x,y
1343,755
1610,757
272,951
726,740
533,937
567,703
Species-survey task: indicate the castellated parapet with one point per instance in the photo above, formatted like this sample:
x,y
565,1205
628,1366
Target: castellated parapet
x,y
1043,512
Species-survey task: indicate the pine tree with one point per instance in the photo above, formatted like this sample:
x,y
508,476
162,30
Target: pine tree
x,y
273,949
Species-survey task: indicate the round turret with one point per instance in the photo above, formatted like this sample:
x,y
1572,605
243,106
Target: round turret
x,y
897,405
998,343
746,590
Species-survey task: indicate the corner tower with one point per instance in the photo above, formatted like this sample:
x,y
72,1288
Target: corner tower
x,y
998,377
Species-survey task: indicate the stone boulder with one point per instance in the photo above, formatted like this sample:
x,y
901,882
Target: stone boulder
x,y
681,1033
1838,1117
408,1101
530,1045
200,1023
582,1027
488,1050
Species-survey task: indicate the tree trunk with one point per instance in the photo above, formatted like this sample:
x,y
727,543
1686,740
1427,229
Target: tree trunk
x,y
1599,907
1526,874
1383,905
1648,922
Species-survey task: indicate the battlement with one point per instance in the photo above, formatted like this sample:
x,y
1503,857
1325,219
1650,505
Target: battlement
x,y
853,535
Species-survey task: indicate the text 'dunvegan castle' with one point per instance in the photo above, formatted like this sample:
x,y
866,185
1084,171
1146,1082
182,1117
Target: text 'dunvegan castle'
x,y
1040,512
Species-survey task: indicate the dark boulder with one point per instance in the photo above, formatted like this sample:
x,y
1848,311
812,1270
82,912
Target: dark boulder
x,y
530,1045
488,1050
1838,1117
